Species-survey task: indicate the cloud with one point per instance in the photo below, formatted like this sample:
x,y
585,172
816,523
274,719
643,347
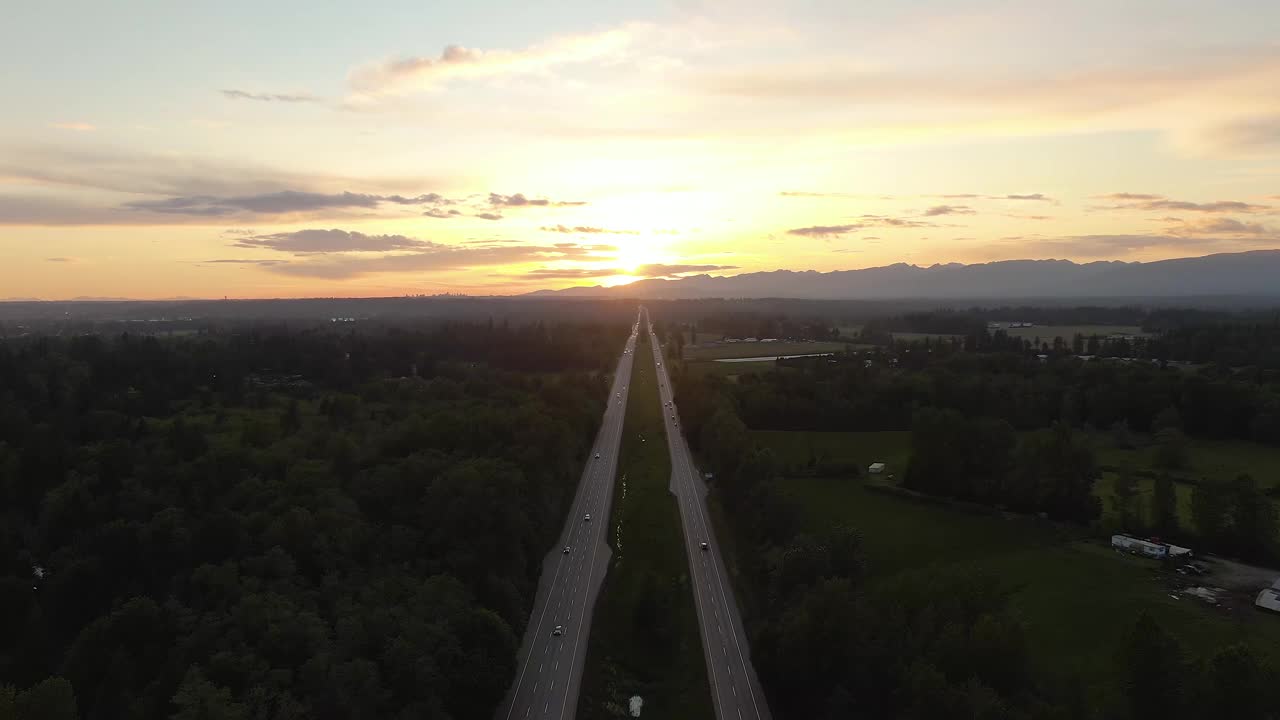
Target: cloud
x,y
937,210
519,200
882,221
1218,226
286,201
270,97
432,258
76,126
489,216
586,230
60,260
801,193
413,73
237,261
1031,217
1129,196
331,241
1253,133
570,273
825,231
864,221
1143,201
1112,246
1011,196
662,270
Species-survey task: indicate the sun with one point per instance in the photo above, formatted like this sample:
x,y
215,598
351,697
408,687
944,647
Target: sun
x,y
634,252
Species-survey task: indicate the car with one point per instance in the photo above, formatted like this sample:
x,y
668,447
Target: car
x,y
704,547
558,631
566,550
586,518
597,456
617,394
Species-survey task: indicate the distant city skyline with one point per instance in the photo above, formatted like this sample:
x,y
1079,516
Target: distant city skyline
x,y
291,150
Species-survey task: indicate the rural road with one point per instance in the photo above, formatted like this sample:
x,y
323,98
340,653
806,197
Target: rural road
x,y
735,689
549,667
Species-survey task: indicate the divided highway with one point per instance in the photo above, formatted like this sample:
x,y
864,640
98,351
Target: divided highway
x,y
554,649
735,689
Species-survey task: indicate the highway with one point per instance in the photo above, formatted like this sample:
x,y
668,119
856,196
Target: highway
x,y
735,689
549,666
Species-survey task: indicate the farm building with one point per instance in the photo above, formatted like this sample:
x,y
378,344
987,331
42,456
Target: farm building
x,y
1268,599
1141,547
875,468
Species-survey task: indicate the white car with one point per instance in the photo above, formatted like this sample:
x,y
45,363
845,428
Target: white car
x,y
566,549
558,631
587,517
704,547
597,456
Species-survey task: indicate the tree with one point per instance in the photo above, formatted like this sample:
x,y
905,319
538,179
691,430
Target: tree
x,y
1123,498
51,699
1154,667
1168,419
1164,506
1253,518
1209,504
1171,449
1236,685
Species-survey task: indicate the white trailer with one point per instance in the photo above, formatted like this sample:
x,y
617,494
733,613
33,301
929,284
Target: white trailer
x,y
1139,547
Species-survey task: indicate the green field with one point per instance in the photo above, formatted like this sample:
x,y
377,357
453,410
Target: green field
x,y
729,370
759,349
1076,597
1047,333
912,336
645,639
795,449
1220,460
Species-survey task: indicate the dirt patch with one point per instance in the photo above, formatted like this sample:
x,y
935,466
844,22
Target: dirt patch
x,y
1237,575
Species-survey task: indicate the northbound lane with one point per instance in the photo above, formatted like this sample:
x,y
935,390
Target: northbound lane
x,y
549,666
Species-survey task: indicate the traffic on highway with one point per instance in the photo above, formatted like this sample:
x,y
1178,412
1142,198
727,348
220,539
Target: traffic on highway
x,y
735,688
553,652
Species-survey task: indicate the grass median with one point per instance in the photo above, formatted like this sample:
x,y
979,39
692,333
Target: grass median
x,y
645,639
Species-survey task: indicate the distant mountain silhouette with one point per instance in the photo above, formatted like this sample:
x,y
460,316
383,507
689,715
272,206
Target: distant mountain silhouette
x,y
1246,273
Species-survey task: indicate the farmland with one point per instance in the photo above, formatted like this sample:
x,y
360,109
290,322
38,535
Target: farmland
x,y
1076,596
717,351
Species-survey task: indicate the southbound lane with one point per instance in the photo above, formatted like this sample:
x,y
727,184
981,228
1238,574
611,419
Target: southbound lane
x,y
735,689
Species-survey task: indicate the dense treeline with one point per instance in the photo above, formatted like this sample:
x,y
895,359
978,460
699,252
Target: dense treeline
x,y
283,525
981,459
846,394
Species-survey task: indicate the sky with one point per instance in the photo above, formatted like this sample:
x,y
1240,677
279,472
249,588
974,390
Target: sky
x,y
289,149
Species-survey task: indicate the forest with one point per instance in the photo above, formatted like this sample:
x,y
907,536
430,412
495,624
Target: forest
x,y
268,522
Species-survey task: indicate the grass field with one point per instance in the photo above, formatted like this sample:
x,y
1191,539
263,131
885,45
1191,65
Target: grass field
x,y
1076,597
759,349
910,336
1047,333
644,638
1220,460
794,449
711,367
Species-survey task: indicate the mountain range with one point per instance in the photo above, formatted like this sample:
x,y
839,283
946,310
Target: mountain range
x,y
1247,273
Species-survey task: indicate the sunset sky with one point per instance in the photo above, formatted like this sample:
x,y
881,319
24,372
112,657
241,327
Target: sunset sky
x,y
281,149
